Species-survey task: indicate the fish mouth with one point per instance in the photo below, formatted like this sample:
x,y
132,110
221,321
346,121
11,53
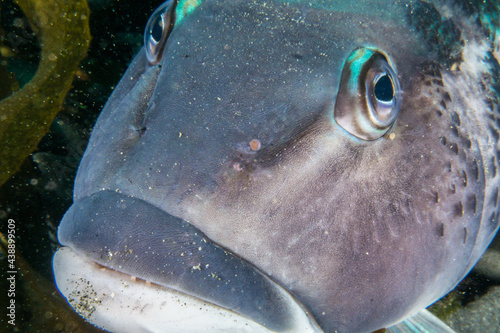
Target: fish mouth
x,y
130,266
119,302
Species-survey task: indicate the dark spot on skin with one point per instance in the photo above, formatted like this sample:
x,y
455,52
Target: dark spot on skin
x,y
436,197
454,148
453,189
455,118
490,104
440,230
465,235
297,56
492,60
437,72
438,82
493,167
446,96
432,69
186,56
459,209
468,144
448,167
475,169
439,113
494,132
464,178
472,203
482,85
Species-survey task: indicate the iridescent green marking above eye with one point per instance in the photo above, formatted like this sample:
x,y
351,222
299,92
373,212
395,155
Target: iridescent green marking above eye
x,y
357,61
369,96
184,8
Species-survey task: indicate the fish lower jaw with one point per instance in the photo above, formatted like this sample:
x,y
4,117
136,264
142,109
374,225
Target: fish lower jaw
x,y
118,302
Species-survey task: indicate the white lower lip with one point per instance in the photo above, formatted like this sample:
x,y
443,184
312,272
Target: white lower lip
x,y
120,303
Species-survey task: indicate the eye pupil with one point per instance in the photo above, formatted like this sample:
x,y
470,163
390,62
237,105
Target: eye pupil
x,y
157,30
384,90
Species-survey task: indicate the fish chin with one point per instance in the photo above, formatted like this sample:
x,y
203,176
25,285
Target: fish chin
x,y
119,302
157,273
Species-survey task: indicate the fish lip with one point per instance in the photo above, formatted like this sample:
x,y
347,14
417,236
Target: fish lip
x,y
119,302
135,238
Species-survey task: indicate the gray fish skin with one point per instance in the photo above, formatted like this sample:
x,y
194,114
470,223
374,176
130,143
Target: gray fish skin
x,y
363,233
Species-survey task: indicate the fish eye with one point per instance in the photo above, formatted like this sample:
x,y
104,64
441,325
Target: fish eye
x,y
158,28
369,96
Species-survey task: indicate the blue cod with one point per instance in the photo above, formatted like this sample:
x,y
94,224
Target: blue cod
x,y
289,166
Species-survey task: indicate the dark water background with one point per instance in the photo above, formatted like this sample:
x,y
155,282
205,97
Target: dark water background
x,y
37,197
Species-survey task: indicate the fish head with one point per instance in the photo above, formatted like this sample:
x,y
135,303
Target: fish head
x,y
335,162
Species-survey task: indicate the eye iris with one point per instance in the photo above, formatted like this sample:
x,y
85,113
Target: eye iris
x,y
384,90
